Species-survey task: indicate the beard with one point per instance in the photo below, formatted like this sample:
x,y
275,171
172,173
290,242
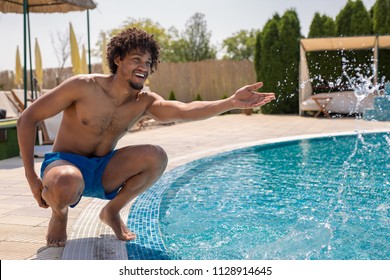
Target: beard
x,y
136,86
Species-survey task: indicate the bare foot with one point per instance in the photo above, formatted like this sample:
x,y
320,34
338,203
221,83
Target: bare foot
x,y
115,222
56,232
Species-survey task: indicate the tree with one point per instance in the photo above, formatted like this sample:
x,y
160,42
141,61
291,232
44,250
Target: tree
x,y
381,17
354,19
270,64
61,48
325,66
289,34
257,59
241,45
191,45
161,35
196,40
276,62
381,26
322,26
176,48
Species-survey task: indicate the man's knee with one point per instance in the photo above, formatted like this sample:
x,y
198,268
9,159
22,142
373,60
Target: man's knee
x,y
157,155
161,154
62,184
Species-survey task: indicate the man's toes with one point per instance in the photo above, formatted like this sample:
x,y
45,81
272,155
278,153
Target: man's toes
x,y
131,236
56,243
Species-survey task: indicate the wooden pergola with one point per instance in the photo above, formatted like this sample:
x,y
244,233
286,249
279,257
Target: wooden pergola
x,y
333,44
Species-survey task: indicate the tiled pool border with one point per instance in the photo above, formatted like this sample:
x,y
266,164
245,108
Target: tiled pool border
x,y
144,220
145,214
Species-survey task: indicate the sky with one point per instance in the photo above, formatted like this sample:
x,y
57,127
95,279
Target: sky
x,y
223,17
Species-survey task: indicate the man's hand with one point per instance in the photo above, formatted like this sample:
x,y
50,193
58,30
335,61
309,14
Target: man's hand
x,y
248,97
36,187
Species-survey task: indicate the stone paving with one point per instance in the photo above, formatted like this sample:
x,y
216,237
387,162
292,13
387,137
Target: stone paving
x,y
23,224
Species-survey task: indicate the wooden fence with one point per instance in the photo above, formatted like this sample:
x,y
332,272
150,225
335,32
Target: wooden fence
x,y
212,79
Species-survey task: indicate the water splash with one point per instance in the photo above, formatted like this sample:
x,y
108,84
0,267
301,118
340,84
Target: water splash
x,y
360,78
363,81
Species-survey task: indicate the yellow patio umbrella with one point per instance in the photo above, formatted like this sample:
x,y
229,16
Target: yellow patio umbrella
x,y
74,52
38,65
105,68
18,79
84,65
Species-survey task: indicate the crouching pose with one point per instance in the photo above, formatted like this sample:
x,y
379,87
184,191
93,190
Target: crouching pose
x,y
97,111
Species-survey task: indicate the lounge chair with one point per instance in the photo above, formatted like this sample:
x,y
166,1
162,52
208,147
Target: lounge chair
x,y
18,95
343,102
50,128
7,104
47,132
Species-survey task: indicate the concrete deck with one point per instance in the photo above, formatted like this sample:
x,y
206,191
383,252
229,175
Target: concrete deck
x,y
23,224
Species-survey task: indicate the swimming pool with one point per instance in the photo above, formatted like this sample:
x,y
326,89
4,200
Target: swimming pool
x,y
323,198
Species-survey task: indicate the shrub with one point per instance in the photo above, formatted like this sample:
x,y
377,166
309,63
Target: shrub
x,y
172,95
198,97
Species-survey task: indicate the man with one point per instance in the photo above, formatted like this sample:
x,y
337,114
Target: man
x,y
97,112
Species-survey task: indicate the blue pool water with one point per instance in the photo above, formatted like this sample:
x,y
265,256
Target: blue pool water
x,y
325,198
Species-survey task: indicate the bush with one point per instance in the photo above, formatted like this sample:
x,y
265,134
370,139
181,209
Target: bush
x,y
277,62
198,97
172,95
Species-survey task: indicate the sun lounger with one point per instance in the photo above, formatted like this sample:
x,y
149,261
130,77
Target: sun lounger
x,y
6,103
49,129
344,102
47,133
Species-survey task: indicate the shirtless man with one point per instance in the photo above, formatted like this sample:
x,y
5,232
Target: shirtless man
x,y
97,111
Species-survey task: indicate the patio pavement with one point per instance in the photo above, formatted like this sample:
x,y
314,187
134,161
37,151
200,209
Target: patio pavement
x,y
23,224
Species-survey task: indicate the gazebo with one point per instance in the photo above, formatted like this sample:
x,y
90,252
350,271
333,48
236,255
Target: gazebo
x,y
338,102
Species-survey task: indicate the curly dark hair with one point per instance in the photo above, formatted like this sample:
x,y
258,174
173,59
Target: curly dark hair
x,y
128,40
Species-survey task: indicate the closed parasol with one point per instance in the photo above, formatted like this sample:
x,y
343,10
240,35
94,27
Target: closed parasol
x,y
84,67
18,80
74,52
38,64
105,68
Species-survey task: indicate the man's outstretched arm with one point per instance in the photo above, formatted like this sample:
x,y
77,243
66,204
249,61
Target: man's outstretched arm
x,y
244,98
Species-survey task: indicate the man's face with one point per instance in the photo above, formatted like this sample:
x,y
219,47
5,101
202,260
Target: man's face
x,y
135,67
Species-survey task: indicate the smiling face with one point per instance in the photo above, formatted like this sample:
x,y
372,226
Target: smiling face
x,y
135,67
129,40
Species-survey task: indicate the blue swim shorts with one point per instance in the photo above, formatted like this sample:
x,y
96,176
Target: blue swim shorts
x,y
91,168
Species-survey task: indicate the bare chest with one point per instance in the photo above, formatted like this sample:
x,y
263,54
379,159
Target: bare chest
x,y
107,119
